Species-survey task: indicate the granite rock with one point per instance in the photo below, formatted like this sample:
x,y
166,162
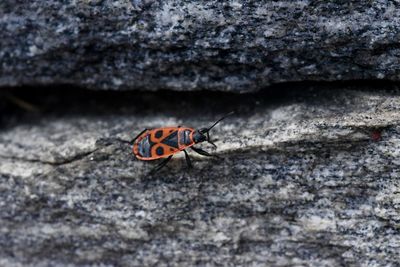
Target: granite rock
x,y
192,45
310,177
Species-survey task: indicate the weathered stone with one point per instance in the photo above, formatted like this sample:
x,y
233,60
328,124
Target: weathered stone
x,y
191,45
309,179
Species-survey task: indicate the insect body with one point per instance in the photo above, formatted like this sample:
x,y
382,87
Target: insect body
x,y
165,142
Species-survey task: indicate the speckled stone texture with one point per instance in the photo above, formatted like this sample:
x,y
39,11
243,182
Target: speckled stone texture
x,y
190,45
309,179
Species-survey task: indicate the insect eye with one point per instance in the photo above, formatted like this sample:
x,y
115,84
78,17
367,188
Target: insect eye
x,y
203,130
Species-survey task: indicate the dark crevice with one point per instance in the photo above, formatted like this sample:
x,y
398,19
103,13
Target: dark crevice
x,y
66,98
69,160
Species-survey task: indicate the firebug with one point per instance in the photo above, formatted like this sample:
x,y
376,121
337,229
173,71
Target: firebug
x,y
164,142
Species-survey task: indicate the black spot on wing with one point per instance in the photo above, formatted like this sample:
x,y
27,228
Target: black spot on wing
x,y
160,151
171,140
158,134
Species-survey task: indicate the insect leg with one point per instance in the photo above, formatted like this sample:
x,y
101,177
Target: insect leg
x,y
212,143
138,136
204,153
188,161
159,166
209,141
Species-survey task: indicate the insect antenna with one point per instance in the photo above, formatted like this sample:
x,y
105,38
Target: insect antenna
x,y
206,131
224,117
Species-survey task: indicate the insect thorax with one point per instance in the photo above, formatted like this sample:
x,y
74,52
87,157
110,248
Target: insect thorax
x,y
184,137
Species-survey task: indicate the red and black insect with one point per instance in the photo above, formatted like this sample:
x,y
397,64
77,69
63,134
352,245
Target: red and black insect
x,y
165,142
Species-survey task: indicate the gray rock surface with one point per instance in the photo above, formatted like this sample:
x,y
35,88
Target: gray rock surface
x,y
190,45
309,179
